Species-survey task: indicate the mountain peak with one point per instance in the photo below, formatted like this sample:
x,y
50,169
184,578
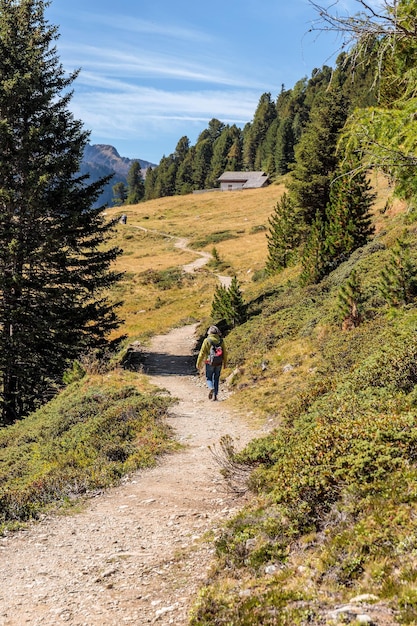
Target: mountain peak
x,y
101,160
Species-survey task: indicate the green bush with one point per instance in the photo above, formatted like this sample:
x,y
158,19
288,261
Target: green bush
x,y
163,279
213,238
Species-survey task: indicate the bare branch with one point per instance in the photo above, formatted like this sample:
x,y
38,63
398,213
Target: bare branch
x,y
236,474
366,23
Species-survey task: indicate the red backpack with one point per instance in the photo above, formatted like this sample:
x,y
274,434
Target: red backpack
x,y
216,353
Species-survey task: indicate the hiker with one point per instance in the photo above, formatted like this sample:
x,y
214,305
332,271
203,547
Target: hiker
x,y
123,219
213,362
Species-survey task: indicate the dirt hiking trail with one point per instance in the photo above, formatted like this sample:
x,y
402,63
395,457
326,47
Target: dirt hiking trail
x,y
136,554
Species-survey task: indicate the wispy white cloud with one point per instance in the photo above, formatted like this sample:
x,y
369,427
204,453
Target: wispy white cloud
x,y
145,112
99,64
127,23
154,75
119,95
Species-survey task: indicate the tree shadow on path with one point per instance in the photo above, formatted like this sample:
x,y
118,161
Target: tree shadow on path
x,y
163,364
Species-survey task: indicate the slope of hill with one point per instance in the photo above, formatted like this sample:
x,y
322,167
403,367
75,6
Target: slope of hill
x,y
325,538
327,533
101,160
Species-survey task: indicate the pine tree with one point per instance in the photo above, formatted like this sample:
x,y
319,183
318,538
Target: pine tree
x,y
216,257
165,175
226,154
201,161
315,255
237,306
54,269
218,161
283,236
150,181
184,179
135,184
348,212
398,284
284,146
349,302
255,133
183,167
315,155
228,304
181,149
220,303
119,194
234,156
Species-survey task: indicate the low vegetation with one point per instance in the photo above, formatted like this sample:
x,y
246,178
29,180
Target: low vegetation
x,y
85,439
334,510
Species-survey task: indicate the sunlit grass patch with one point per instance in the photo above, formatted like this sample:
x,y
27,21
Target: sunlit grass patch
x,y
195,216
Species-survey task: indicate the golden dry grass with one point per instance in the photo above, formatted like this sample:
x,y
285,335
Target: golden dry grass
x,y
153,228
196,216
147,309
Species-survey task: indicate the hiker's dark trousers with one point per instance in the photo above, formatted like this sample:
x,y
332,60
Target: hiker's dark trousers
x,y
213,377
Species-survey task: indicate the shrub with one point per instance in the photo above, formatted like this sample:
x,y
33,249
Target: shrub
x,y
163,279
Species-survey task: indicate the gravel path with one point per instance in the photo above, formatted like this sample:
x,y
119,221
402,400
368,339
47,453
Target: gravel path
x,y
136,554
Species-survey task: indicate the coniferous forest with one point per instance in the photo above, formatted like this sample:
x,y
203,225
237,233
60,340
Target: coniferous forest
x,y
270,140
320,317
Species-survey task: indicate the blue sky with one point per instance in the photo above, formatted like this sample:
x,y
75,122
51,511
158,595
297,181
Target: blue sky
x,y
154,71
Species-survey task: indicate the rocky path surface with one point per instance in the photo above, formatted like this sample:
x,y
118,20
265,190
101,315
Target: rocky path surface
x,y
138,553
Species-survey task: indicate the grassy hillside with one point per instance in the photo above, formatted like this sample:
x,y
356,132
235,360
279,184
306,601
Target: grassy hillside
x,y
109,421
331,502
157,296
333,506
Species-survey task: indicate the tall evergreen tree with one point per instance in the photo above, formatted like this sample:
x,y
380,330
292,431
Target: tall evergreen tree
x,y
226,154
283,235
315,154
53,267
184,182
214,129
349,302
182,149
135,184
348,212
237,306
119,193
150,182
183,175
291,105
220,303
255,133
234,156
284,146
201,161
221,148
165,176
398,283
315,255
228,304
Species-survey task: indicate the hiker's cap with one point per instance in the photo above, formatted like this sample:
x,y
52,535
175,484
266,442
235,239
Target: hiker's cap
x,y
213,330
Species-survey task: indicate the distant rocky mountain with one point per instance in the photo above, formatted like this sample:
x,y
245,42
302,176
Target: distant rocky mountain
x,y
101,160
